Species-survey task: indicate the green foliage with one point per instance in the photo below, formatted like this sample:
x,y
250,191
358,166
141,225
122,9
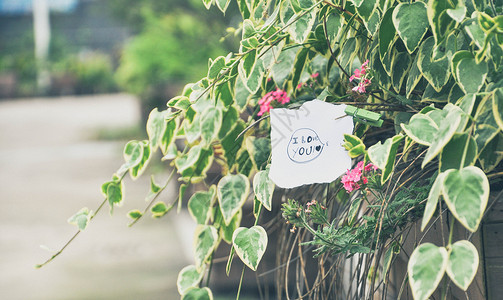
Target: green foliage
x,y
434,72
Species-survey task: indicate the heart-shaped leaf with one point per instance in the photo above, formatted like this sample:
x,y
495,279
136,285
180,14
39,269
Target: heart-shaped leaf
x,y
498,107
226,231
188,277
156,124
387,32
431,204
198,294
435,71
383,155
205,241
250,245
471,75
263,187
427,265
448,126
463,263
461,151
211,121
232,191
421,128
466,192
299,30
200,204
411,23
458,13
81,218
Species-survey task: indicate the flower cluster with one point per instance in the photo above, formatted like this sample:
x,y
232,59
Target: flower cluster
x,y
354,178
362,75
266,102
313,76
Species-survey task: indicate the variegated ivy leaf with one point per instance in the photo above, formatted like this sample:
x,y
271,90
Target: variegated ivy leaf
x,y
113,191
335,23
188,277
138,169
497,104
156,125
458,13
411,23
438,18
387,32
436,72
456,58
205,242
259,150
301,27
200,204
463,263
448,126
198,294
222,4
466,193
133,153
421,128
492,154
263,187
400,68
283,65
426,267
250,245
461,151
354,145
216,65
81,218
383,155
431,204
211,121
226,231
232,191
255,79
471,75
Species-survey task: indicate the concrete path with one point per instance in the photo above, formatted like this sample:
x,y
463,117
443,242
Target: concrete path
x,y
50,167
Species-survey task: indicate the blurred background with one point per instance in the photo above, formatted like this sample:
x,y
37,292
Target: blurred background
x,y
77,80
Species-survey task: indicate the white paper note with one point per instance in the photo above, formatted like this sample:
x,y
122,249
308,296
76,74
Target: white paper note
x,y
307,144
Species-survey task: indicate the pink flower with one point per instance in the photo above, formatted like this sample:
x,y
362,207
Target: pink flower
x,y
266,101
361,74
315,75
354,178
299,86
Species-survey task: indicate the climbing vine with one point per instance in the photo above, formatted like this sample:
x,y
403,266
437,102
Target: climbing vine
x,y
432,70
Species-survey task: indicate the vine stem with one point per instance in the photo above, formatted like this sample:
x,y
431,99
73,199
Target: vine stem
x,y
38,266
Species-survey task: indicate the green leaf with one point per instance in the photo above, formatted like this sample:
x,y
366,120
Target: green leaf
x,y
114,193
247,64
168,136
447,128
198,294
456,58
400,67
232,191
81,218
383,155
216,66
223,4
431,204
421,128
241,94
437,72
411,23
188,277
460,152
497,104
207,3
226,231
133,153
426,267
348,53
413,77
156,126
211,121
354,145
160,209
486,126
250,245
134,214
438,18
205,242
470,75
463,263
387,32
284,65
255,79
335,23
263,187
181,194
466,192
138,169
492,154
259,150
200,204
301,28
458,13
